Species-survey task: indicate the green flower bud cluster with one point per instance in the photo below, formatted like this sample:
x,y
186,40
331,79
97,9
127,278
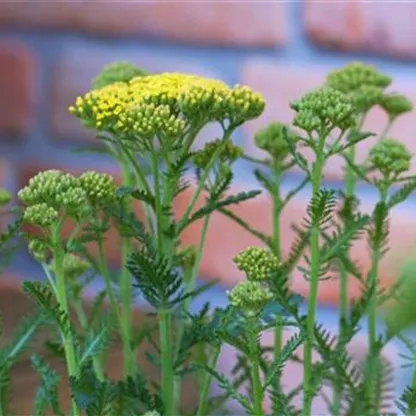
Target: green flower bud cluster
x,y
249,296
52,192
356,75
50,187
230,153
366,97
5,197
187,257
38,249
117,72
324,107
257,263
274,139
73,266
41,215
390,157
99,187
366,86
395,105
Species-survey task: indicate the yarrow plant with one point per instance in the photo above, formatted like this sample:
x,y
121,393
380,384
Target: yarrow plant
x,y
149,124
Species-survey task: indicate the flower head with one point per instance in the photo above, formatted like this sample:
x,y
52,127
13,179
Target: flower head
x,y
356,75
187,257
99,187
390,157
230,153
324,107
73,266
395,105
52,187
249,296
366,97
58,192
117,72
257,263
162,104
38,249
41,214
274,139
5,197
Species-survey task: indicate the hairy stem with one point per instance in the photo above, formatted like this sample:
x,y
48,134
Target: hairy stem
x,y
255,375
158,203
181,225
113,302
350,185
96,360
190,284
166,356
314,283
206,384
277,210
70,357
126,295
373,281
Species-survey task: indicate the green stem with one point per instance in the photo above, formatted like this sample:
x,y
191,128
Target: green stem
x,y
255,375
350,184
158,203
141,183
126,295
201,183
206,384
314,283
373,282
70,356
166,356
190,284
113,302
96,361
277,210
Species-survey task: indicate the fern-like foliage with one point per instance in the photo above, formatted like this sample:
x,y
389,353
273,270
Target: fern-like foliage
x,y
47,392
378,231
214,205
41,293
12,352
407,402
107,398
96,344
155,277
321,209
402,194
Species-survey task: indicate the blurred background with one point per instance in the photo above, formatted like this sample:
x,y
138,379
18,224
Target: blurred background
x,y
50,51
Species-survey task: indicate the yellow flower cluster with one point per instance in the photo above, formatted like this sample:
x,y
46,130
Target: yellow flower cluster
x,y
163,104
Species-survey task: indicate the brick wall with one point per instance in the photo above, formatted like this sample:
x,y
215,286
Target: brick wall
x,y
49,51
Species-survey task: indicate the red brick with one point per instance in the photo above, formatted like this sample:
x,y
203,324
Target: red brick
x,y
225,239
281,84
244,24
386,28
292,374
75,71
17,68
112,243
